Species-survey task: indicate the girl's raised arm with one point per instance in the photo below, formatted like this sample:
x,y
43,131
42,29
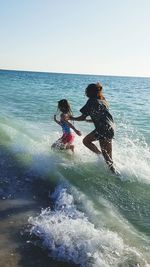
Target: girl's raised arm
x,y
55,119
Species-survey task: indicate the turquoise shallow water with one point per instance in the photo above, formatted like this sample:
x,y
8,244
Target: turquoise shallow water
x,y
97,219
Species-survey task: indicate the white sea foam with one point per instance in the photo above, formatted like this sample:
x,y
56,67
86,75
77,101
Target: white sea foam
x,y
69,236
132,156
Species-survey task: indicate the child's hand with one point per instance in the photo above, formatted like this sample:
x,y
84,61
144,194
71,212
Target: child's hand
x,y
78,133
88,120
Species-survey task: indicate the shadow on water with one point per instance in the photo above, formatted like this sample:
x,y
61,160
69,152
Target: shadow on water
x,y
15,209
21,197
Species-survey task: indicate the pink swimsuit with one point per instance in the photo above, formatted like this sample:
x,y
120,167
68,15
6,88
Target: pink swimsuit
x,y
67,136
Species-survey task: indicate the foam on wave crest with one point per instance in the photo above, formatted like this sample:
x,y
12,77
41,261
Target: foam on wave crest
x,y
69,236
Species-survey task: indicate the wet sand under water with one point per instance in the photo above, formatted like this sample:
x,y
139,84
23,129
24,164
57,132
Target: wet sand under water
x,y
16,248
21,198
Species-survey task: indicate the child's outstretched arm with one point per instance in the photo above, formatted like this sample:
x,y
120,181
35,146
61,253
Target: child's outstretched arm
x,y
73,128
58,122
80,118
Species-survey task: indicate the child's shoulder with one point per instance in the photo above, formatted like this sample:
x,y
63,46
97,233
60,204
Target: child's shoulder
x,y
64,116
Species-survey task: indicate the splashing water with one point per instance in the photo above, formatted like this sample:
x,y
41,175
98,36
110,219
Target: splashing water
x,y
70,236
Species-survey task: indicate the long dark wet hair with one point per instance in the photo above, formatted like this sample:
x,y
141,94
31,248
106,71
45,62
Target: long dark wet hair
x,y
64,106
95,90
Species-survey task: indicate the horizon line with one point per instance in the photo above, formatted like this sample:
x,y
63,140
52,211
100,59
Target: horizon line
x,y
90,74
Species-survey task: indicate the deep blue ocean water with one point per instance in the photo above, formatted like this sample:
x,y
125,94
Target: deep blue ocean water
x,y
97,219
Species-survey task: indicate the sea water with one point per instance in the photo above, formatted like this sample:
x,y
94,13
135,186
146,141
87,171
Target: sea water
x,y
96,219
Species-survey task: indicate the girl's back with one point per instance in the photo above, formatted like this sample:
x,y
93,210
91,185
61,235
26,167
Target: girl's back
x,y
65,126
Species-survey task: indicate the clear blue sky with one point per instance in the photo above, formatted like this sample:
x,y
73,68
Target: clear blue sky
x,y
76,36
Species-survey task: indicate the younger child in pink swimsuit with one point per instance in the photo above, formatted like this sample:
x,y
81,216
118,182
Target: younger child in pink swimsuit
x,y
65,142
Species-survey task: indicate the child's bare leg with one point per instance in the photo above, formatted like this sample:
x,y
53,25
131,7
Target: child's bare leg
x,y
87,141
71,147
106,147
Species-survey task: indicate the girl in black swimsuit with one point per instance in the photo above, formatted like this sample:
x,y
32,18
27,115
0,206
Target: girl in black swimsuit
x,y
97,108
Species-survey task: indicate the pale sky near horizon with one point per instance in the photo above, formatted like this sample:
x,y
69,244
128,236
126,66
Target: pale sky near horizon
x,y
110,37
